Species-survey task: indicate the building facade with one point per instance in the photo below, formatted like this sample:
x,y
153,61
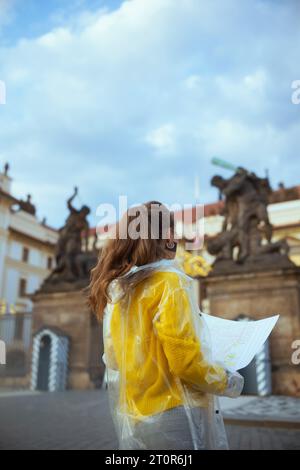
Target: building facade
x,y
26,249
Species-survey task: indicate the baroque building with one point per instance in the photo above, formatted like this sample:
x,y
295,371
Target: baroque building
x,y
26,249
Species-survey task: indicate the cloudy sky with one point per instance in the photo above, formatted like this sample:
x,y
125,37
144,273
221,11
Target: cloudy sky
x,y
135,97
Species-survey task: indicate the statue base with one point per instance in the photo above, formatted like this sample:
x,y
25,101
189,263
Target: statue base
x,y
261,262
63,286
69,313
257,295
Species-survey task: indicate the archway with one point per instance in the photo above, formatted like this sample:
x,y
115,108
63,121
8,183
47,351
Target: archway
x,y
50,351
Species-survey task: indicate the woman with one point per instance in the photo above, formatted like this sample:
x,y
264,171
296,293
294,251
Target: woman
x,y
161,380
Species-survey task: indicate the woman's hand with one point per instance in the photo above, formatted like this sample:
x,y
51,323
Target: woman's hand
x,y
235,385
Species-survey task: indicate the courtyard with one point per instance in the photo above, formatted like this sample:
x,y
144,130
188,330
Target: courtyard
x,y
81,421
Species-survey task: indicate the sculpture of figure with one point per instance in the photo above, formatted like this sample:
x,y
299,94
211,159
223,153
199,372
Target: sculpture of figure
x,y
69,246
223,244
86,260
256,243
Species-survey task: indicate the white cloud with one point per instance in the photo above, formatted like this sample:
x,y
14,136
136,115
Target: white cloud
x,y
163,139
256,81
193,81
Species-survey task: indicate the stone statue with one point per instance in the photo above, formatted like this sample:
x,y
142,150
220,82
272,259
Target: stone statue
x,y
246,232
6,169
73,258
27,206
222,246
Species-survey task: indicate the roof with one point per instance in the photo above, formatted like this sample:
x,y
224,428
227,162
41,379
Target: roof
x,y
287,226
285,194
215,208
8,196
49,228
32,238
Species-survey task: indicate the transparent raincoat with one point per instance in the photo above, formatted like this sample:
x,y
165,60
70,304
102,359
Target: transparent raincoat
x,y
162,384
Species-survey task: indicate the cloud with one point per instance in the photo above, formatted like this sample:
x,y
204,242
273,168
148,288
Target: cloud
x,y
102,99
163,140
193,82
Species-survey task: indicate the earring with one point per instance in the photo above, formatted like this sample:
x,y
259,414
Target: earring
x,y
171,246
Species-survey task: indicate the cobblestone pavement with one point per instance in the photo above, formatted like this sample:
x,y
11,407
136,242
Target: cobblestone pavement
x,y
274,408
81,420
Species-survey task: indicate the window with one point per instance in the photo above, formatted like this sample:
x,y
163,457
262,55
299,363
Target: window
x,y
25,256
49,263
22,287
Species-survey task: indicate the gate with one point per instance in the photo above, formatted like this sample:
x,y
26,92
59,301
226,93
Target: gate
x,y
49,360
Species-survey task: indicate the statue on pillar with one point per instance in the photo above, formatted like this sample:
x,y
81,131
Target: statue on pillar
x,y
246,235
73,258
6,169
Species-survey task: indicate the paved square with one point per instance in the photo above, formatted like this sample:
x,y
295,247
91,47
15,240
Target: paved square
x,y
81,420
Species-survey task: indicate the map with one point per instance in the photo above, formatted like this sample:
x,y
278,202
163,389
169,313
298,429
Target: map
x,y
235,343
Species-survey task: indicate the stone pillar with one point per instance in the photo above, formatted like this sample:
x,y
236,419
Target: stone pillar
x,y
258,295
68,312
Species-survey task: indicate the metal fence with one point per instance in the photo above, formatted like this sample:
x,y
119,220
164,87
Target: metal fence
x,y
16,328
15,331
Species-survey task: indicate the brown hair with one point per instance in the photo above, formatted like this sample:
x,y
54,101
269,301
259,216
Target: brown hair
x,y
121,253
